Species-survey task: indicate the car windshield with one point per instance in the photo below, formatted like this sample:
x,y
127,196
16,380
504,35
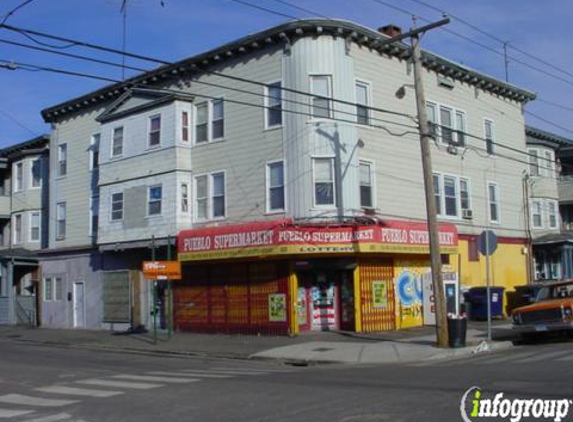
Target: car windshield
x,y
554,292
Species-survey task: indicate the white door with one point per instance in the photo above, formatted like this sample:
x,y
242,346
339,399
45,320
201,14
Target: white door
x,y
79,305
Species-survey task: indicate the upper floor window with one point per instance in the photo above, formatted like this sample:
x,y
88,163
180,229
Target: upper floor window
x,y
35,223
366,185
488,131
321,88
201,204
276,188
62,159
465,199
116,206
19,177
201,122
541,162
493,199
274,106
323,181
61,220
94,216
533,162
362,103
552,214
210,194
218,194
17,229
36,173
185,126
154,131
184,197
536,214
447,124
218,119
452,195
154,198
117,142
550,163
94,151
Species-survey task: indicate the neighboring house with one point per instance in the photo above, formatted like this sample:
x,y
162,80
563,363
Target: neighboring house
x,y
550,204
292,211
24,220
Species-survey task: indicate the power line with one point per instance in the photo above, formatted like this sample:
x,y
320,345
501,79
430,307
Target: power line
x,y
300,8
14,10
548,121
265,9
567,108
17,122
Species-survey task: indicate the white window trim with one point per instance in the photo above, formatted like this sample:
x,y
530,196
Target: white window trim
x,y
180,202
30,214
15,177
311,117
368,85
31,173
556,208
54,283
92,146
532,208
195,197
156,185
266,104
210,186
58,167
493,137
190,125
111,155
210,115
459,214
544,167
334,187
115,192
470,202
149,118
211,191
14,240
51,289
454,110
372,181
498,202
268,187
57,235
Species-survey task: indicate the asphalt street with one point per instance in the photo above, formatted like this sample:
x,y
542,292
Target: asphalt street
x,y
49,384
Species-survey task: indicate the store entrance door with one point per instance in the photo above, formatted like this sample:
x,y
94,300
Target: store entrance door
x,y
325,307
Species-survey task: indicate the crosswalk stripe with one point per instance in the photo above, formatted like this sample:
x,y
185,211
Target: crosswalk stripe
x,y
34,401
542,356
491,360
259,369
51,418
154,379
225,372
565,358
6,413
120,384
190,374
73,391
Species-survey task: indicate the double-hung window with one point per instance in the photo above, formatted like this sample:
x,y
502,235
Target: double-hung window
x,y
58,289
276,189
48,290
446,124
321,88
533,162
323,181
35,226
552,214
94,151
19,177
209,120
201,196
184,198
117,142
549,163
366,185
17,228
362,103
185,126
450,196
536,214
218,194
493,199
154,199
274,105
154,139
61,220
218,119
437,193
36,173
432,116
201,122
489,136
460,133
210,194
62,159
116,206
465,201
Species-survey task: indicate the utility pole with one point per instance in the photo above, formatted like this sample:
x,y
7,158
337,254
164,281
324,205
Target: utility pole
x,y
425,139
506,61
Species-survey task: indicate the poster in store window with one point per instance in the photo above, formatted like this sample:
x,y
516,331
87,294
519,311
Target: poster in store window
x,y
379,294
277,307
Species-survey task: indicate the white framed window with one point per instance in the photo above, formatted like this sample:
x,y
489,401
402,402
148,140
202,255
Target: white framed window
x,y
536,214
58,289
48,289
465,197
273,105
432,115
62,160
321,101
447,124
552,214
117,141
210,196
217,119
275,187
362,102
201,198
154,137
549,163
94,216
437,193
460,133
366,184
210,121
185,198
154,199
94,151
493,201
18,177
489,135
452,195
324,183
60,220
116,207
218,195
17,219
533,162
202,122
35,226
36,173
185,127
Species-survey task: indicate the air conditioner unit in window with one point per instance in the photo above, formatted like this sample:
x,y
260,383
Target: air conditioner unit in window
x,y
452,149
467,214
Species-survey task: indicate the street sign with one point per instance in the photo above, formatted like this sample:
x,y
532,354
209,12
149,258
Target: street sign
x,y
162,270
487,242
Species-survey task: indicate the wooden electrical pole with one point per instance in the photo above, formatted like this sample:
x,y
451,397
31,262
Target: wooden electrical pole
x,y
425,139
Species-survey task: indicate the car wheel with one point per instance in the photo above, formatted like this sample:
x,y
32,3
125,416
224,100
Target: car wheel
x,y
528,337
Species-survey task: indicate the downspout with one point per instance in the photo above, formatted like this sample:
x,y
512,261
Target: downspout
x,y
528,228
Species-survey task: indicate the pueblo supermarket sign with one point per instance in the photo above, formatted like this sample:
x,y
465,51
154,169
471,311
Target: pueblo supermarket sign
x,y
282,237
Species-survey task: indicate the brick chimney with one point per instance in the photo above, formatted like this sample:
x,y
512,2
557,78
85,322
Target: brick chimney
x,y
390,30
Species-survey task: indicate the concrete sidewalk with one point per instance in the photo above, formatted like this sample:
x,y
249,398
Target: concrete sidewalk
x,y
333,347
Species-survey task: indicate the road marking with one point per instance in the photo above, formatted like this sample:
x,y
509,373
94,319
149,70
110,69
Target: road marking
x,y
190,374
5,413
73,391
52,418
542,356
156,379
259,369
120,384
566,358
34,401
223,372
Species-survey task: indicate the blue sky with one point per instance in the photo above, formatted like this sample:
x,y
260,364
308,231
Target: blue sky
x,y
182,28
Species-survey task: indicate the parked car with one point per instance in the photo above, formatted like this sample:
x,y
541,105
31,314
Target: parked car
x,y
552,311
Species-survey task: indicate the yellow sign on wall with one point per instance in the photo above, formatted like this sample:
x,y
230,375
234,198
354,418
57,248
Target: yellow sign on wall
x,y
379,294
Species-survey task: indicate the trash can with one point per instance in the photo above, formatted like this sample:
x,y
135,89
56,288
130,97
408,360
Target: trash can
x,y
457,328
477,297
